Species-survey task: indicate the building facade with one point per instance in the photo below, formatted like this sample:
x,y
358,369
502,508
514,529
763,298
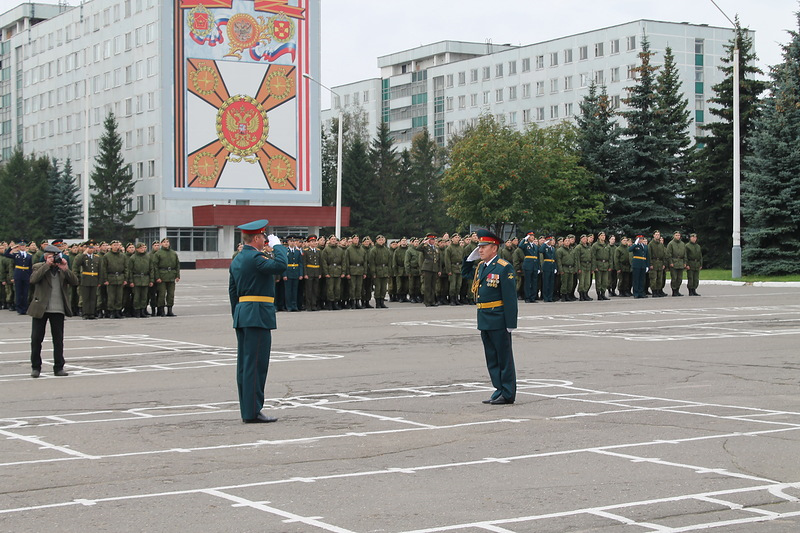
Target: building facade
x,y
446,87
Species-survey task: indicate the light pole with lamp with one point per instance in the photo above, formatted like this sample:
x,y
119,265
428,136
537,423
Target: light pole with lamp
x,y
736,251
338,231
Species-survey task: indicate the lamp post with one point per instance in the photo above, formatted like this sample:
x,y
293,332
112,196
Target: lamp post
x,y
338,231
736,251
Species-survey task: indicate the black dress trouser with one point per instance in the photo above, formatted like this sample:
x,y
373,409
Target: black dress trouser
x,y
37,336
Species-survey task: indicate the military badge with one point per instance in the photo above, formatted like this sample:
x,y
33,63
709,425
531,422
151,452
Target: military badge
x,y
242,127
281,28
245,32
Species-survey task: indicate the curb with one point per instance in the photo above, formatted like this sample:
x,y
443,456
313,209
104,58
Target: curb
x,y
782,284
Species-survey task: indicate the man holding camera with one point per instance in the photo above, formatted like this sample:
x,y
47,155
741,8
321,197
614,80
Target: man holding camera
x,y
50,280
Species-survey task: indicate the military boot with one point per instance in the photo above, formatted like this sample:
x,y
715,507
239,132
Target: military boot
x,y
676,292
367,305
358,305
169,311
159,311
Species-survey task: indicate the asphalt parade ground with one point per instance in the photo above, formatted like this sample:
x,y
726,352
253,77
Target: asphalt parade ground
x,y
667,415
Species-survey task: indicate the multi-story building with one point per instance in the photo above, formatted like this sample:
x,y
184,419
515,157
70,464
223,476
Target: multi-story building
x,y
199,169
445,87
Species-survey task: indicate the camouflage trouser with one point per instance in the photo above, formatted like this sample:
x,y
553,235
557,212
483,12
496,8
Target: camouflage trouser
x,y
692,278
356,283
656,276
380,288
334,286
585,279
114,293
401,286
675,278
601,280
456,280
140,294
166,294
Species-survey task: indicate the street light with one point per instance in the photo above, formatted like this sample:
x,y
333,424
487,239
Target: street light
x,y
338,231
736,251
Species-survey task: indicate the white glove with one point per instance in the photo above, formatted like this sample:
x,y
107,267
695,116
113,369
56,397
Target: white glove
x,y
538,271
272,240
475,254
646,270
509,330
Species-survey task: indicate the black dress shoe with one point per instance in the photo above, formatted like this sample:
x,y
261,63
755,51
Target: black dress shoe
x,y
501,401
260,419
487,401
35,373
60,373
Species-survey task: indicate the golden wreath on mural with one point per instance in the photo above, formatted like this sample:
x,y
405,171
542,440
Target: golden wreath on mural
x,y
280,169
242,127
205,166
280,85
204,80
245,32
201,21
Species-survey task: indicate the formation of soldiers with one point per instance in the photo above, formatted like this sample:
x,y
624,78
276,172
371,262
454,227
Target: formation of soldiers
x,y
351,273
114,281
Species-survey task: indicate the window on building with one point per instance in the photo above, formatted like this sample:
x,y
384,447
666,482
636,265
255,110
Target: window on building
x,y
631,72
583,53
554,59
526,116
631,42
568,56
462,78
512,68
487,73
151,168
512,93
449,80
526,64
567,83
486,98
139,203
449,103
599,77
498,70
512,118
539,88
193,239
615,46
599,50
584,79
498,95
539,114
553,112
615,102
699,46
568,110
539,62
526,90
473,75
462,102
554,85
151,203
473,99
615,74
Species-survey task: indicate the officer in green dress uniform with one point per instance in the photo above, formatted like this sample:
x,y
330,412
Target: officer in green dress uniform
x,y
87,269
252,295
694,264
113,275
640,264
676,256
494,286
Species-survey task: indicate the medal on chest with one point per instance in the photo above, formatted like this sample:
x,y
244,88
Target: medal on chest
x,y
493,280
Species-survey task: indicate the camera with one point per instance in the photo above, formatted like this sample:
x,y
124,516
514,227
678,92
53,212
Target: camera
x,y
57,259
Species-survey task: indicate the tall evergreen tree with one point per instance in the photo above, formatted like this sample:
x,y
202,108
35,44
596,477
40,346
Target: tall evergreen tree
x,y
771,188
112,188
66,205
356,179
674,120
710,191
24,197
643,197
422,203
385,185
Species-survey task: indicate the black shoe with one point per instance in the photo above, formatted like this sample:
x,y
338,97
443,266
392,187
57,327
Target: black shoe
x,y
60,373
260,419
490,400
35,373
169,312
367,305
501,400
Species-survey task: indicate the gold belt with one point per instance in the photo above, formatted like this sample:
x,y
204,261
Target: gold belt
x,y
293,265
549,260
490,305
638,257
267,299
89,273
22,268
531,257
312,266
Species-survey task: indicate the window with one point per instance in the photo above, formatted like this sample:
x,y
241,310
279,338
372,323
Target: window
x,y
449,80
462,102
512,68
568,109
615,74
568,56
539,114
526,116
539,62
485,97
151,203
584,79
498,95
631,74
554,85
128,107
567,83
553,112
526,64
526,90
473,99
512,118
151,134
473,75
554,59
583,53
698,46
512,93
498,70
599,78
631,42
539,88
599,50
139,167
615,102
151,168
615,46
487,73
366,96
139,203
151,32
449,103
462,78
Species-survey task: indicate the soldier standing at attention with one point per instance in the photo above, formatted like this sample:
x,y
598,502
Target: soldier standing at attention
x,y
602,264
412,268
167,269
333,271
399,270
622,261
140,275
548,262
639,264
612,275
531,267
583,254
313,273
658,256
379,261
252,295
23,261
87,269
152,294
494,288
565,263
430,268
113,272
676,255
694,264
369,282
355,269
293,274
6,295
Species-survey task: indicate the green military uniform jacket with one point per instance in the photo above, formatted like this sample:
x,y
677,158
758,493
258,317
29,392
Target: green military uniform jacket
x,y
87,269
312,262
380,261
566,261
355,260
140,269
453,257
602,257
658,254
252,274
399,261
114,268
429,257
495,289
694,256
166,265
583,257
412,262
622,258
333,261
676,254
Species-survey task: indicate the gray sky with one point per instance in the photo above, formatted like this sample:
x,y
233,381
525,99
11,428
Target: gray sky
x,y
356,32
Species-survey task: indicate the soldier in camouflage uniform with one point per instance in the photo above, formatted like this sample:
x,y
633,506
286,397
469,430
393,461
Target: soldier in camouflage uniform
x,y
333,271
140,277
694,264
167,268
312,264
400,275
152,294
379,261
413,272
369,281
602,264
622,261
355,269
583,256
657,257
565,261
453,258
676,256
430,267
113,275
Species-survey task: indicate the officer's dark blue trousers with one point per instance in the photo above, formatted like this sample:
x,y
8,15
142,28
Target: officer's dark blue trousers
x,y
291,293
531,284
639,288
500,362
548,282
252,362
21,285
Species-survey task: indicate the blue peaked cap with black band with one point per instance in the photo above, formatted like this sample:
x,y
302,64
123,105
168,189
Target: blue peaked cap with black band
x,y
254,227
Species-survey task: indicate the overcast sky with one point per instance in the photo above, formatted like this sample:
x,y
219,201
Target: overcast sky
x,y
356,32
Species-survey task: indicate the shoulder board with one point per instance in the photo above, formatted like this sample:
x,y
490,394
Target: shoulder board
x,y
502,262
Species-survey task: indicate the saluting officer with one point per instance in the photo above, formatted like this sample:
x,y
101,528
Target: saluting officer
x,y
494,287
548,253
87,269
640,264
531,266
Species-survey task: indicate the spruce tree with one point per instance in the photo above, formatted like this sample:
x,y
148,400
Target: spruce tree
x,y
642,196
710,191
384,189
422,204
356,179
66,205
771,184
674,120
112,188
24,198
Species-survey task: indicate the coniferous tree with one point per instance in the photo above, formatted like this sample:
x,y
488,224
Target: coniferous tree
x,y
711,191
674,120
53,176
644,198
24,197
329,156
383,191
112,187
423,201
66,205
771,184
356,179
